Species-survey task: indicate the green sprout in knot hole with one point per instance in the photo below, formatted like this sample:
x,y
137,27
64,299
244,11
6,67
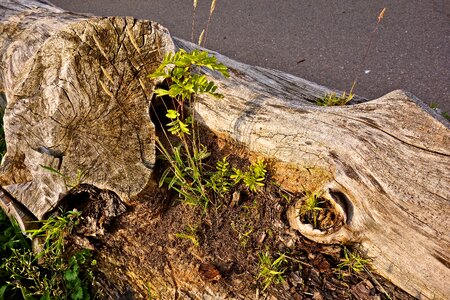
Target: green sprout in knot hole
x,y
311,207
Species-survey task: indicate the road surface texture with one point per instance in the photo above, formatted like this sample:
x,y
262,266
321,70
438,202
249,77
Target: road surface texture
x,y
319,40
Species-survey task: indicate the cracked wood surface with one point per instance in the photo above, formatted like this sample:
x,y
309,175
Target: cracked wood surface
x,y
77,99
384,161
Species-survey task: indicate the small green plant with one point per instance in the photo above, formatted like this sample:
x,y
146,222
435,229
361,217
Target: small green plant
x,y
179,70
446,115
271,272
351,263
185,173
190,233
253,178
310,208
51,273
243,232
435,107
11,241
335,100
54,231
332,99
219,181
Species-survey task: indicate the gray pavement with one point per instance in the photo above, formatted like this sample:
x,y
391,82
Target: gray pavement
x,y
319,40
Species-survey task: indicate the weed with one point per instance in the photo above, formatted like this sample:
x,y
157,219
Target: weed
x,y
351,263
77,283
243,233
435,107
253,178
179,69
332,99
54,231
205,32
220,181
50,274
11,241
11,236
271,272
194,17
372,37
186,173
190,233
310,208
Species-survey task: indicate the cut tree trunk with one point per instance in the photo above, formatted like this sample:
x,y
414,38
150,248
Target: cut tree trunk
x,y
77,99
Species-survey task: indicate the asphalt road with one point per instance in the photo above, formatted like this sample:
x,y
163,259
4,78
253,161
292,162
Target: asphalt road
x,y
320,40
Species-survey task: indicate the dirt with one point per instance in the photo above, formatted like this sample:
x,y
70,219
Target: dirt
x,y
230,242
161,248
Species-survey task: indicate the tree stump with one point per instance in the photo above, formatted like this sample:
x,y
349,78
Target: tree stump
x,y
77,99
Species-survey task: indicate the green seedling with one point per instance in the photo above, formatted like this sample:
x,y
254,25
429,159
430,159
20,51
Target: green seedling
x,y
219,181
352,263
310,208
271,272
50,273
179,70
190,234
253,178
334,100
435,107
243,233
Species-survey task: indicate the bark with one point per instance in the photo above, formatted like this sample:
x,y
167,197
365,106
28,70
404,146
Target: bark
x,y
76,85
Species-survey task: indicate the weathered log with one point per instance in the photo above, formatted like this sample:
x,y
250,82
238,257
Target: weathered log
x,y
383,163
77,101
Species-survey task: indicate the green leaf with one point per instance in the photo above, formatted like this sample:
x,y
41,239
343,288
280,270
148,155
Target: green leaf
x,y
53,171
77,294
183,127
161,92
172,114
3,289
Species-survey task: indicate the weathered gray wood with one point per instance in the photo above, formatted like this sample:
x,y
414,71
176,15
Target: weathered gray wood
x,y
385,162
77,100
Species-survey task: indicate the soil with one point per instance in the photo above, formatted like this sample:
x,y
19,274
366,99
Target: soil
x,y
145,256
